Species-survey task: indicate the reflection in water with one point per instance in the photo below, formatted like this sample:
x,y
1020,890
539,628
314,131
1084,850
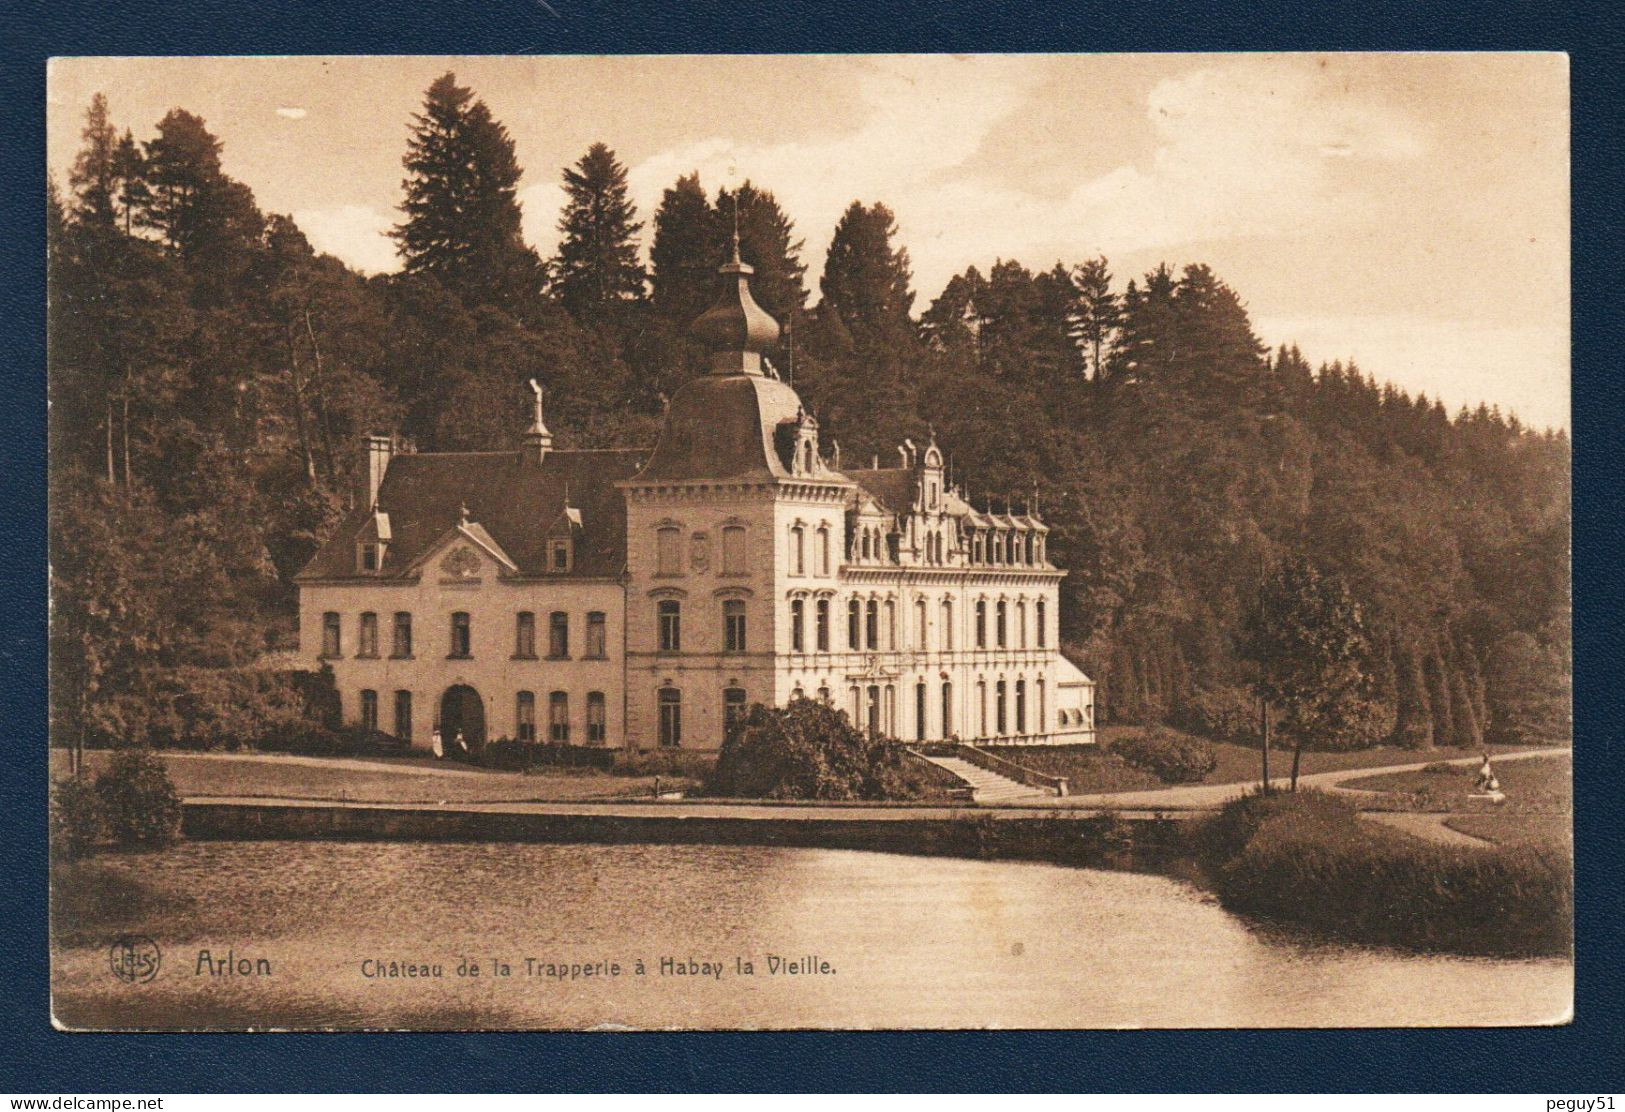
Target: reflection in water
x,y
927,942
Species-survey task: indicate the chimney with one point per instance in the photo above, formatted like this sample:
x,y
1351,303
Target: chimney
x,y
537,439
375,455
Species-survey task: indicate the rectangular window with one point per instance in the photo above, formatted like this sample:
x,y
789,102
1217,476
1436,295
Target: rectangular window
x,y
822,551
559,556
369,710
403,715
669,551
462,641
367,641
670,614
947,624
402,647
822,632
596,730
854,623
798,623
558,635
1021,624
733,710
891,626
798,550
871,624
947,710
558,717
733,550
981,624
999,707
524,638
369,557
524,715
1038,620
999,625
671,718
733,622
595,635
981,702
1021,707
920,611
330,634
919,711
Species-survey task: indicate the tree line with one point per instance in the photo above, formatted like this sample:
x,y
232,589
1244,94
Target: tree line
x,y
210,372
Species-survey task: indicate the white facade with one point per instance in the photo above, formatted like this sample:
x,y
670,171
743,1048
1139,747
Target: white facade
x,y
736,564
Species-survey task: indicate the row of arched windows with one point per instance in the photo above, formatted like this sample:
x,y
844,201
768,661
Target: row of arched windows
x,y
1004,708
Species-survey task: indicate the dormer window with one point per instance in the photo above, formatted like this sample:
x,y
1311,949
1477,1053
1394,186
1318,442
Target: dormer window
x,y
559,556
369,556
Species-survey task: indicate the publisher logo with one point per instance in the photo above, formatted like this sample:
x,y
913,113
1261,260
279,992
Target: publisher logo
x,y
134,958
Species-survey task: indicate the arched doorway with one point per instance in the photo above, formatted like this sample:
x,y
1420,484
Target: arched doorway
x,y
461,708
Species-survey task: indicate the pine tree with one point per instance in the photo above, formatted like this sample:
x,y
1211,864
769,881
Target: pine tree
x,y
462,224
597,262
1096,311
198,210
683,256
866,279
94,178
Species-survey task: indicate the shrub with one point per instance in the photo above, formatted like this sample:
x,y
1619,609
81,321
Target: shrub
x,y
808,750
1224,713
664,762
1308,858
1171,757
76,817
138,800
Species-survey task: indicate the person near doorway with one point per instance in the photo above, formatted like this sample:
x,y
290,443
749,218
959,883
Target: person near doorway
x,y
462,745
437,744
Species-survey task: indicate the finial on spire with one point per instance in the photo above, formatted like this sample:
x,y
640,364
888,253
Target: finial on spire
x,y
736,228
462,513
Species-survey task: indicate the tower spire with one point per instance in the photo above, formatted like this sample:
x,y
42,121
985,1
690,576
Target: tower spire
x,y
736,328
537,439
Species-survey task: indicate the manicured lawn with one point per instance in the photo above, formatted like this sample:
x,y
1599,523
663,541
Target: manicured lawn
x,y
405,780
1093,769
1537,786
1548,832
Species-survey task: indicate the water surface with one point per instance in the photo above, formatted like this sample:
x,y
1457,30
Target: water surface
x,y
908,941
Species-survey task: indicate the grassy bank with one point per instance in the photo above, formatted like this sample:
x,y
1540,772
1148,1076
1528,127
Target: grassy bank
x,y
1537,786
1308,859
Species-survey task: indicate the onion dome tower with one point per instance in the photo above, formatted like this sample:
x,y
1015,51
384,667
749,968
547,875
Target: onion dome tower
x,y
736,329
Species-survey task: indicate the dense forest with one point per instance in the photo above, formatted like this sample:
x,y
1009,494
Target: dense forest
x,y
210,373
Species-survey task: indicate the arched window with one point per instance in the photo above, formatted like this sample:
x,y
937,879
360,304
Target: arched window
x,y
871,625
854,623
919,711
733,710
947,710
981,703
524,716
558,635
670,701
330,634
669,615
872,718
999,624
403,715
733,625
1021,706
669,550
596,727
821,552
920,631
1043,710
798,624
733,550
402,647
524,635
947,624
367,642
999,719
1038,621
981,623
821,624
891,626
1021,623
369,710
798,550
558,717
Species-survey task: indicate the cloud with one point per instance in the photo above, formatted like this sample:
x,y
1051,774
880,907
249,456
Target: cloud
x,y
1462,362
926,116
358,234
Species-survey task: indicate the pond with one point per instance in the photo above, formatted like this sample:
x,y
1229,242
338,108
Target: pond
x,y
308,934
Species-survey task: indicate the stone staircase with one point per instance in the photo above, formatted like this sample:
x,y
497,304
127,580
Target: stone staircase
x,y
988,787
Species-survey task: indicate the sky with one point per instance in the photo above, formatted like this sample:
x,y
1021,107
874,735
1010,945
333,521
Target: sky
x,y
1406,211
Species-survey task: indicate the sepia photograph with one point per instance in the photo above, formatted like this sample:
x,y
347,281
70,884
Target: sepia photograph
x,y
836,542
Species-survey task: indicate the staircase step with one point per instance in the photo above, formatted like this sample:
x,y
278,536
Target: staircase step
x,y
986,786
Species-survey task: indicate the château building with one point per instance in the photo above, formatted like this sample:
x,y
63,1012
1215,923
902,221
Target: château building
x,y
649,598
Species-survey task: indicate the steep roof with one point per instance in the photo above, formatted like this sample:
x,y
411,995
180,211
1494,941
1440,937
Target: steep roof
x,y
514,499
895,488
724,427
